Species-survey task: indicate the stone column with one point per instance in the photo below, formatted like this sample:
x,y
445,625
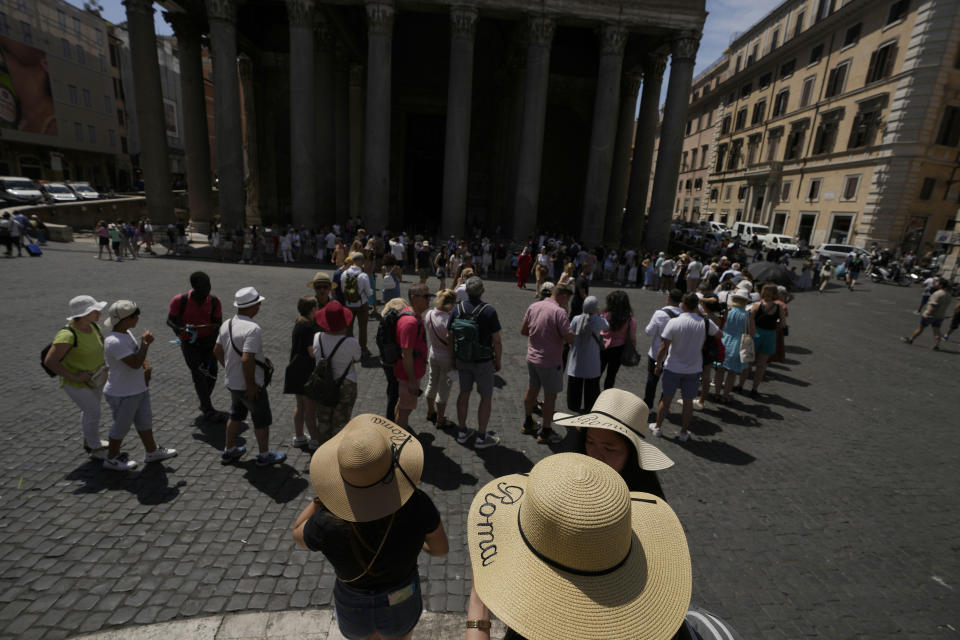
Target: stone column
x,y
540,33
186,27
683,55
629,86
251,170
341,134
376,152
631,229
357,129
154,158
456,157
613,39
222,15
326,142
303,143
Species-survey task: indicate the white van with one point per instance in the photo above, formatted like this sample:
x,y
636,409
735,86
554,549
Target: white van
x,y
716,227
778,241
746,230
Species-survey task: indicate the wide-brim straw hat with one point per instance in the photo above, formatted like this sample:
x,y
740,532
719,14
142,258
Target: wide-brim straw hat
x,y
321,276
625,413
569,552
368,470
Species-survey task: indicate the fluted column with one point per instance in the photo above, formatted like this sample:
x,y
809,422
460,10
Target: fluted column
x,y
154,159
603,133
251,169
526,203
326,141
222,15
195,133
456,158
629,86
341,134
303,143
357,130
634,218
376,157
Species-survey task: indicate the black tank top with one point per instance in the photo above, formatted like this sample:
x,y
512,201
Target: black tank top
x,y
768,319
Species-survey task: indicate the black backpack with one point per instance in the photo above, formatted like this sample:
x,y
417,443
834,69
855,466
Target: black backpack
x,y
46,349
321,386
390,351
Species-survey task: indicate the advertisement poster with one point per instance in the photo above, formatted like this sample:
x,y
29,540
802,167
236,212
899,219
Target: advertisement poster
x,y
26,101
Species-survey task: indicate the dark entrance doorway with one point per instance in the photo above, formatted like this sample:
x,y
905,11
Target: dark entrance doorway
x,y
423,172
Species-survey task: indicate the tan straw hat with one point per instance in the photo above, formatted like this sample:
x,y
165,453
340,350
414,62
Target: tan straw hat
x,y
321,276
569,552
368,470
623,412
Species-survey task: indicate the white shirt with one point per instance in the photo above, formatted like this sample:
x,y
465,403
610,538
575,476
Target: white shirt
x,y
655,327
461,292
666,267
363,285
396,248
123,380
693,269
331,241
686,336
247,338
704,271
348,352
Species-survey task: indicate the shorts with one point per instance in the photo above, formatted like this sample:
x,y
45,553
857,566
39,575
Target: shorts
x,y
259,409
689,384
423,273
550,379
104,242
130,410
932,322
765,341
481,372
360,615
407,401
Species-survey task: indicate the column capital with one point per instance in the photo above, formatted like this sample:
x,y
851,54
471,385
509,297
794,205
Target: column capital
x,y
186,26
463,22
654,64
629,86
143,7
224,10
380,17
300,13
684,46
613,39
540,30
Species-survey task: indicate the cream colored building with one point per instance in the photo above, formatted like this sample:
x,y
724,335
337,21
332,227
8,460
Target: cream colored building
x,y
834,121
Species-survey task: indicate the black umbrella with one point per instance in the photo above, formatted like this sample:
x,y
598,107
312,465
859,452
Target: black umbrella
x,y
770,272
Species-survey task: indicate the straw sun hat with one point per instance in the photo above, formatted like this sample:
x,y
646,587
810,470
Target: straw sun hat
x,y
569,552
623,412
368,470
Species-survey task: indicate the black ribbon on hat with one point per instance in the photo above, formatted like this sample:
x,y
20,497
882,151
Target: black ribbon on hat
x,y
563,567
389,475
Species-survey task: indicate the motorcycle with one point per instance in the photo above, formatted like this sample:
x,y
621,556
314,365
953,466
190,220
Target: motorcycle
x,y
890,274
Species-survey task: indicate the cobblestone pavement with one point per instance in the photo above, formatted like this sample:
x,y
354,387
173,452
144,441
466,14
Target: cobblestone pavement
x,y
828,508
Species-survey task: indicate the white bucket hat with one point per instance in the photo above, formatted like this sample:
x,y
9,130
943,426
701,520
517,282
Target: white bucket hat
x,y
247,297
82,305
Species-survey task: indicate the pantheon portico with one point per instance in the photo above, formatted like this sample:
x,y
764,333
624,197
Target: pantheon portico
x,y
429,115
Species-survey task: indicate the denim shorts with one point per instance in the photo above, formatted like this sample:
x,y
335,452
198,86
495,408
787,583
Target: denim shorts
x,y
259,409
130,410
360,615
689,384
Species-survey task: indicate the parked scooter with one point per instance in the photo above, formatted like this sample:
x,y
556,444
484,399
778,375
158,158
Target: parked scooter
x,y
891,274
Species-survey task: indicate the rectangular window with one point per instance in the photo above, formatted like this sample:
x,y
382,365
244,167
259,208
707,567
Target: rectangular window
x,y
735,148
773,143
837,79
74,96
753,146
785,189
949,134
91,133
780,103
99,36
739,63
798,27
852,34
683,162
693,158
775,40
120,116
77,27
107,104
759,111
815,54
698,184
727,194
825,8
714,195
745,90
881,62
27,32
113,55
78,131
703,155
113,137
689,126
786,69
926,191
851,184
813,191
863,133
81,56
65,48
826,136
688,185
87,102
742,193
61,18
898,10
795,140
741,119
764,81
806,93
709,119
725,127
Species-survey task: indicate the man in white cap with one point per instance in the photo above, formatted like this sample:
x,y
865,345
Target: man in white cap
x,y
239,349
355,286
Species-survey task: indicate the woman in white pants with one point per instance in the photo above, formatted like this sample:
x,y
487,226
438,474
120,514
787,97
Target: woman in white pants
x,y
76,355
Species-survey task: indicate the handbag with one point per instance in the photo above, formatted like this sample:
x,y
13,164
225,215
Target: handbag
x,y
98,378
266,365
713,349
629,356
746,349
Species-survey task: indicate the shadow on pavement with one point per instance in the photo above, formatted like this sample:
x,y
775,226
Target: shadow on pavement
x,y
715,450
501,460
797,350
760,411
281,482
215,433
780,401
370,361
438,469
149,483
499,382
779,377
727,416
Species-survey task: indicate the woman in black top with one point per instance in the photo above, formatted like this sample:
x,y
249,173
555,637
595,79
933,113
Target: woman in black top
x,y
299,369
765,317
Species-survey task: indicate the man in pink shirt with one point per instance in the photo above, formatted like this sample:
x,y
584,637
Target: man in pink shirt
x,y
547,329
412,339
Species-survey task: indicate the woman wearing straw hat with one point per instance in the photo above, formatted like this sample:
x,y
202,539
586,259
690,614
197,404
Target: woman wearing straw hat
x,y
371,522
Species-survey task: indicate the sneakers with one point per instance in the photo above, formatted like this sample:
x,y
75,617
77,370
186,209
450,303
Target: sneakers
x,y
270,457
232,454
463,435
549,436
120,463
313,445
97,453
299,441
485,441
158,454
530,426
698,404
683,436
906,340
654,430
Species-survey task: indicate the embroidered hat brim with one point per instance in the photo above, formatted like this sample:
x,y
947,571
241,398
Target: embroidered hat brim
x,y
649,457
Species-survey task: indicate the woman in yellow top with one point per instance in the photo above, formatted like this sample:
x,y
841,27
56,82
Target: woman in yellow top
x,y
76,355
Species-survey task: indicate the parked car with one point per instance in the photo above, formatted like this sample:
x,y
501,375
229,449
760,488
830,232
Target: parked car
x,y
83,190
837,253
19,190
746,230
716,227
777,241
54,192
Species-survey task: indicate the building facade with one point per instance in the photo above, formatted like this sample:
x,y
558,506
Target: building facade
x,y
832,121
58,117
